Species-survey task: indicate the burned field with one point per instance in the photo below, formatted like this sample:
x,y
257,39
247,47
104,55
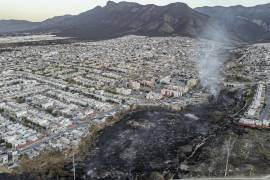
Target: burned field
x,y
158,140
145,141
150,143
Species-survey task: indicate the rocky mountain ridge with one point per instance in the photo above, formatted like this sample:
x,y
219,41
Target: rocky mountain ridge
x,y
239,23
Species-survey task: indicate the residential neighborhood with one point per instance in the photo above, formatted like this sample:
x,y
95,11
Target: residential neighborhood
x,y
50,95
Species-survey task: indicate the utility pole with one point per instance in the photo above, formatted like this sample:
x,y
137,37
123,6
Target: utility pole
x,y
74,168
229,145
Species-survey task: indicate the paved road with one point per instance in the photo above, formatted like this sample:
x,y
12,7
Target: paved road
x,y
41,141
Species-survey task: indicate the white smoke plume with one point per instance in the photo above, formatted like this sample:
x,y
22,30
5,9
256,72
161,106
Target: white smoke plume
x,y
211,61
209,66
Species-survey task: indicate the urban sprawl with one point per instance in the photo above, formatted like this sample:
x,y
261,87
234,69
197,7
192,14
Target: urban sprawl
x,y
50,95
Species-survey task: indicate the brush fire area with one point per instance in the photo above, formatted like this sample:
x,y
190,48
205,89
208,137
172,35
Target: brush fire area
x,y
201,140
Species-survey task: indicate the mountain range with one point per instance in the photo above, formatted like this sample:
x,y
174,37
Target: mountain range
x,y
239,23
246,23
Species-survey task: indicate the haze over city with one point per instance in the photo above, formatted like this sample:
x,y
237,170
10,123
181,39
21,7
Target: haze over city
x,y
38,10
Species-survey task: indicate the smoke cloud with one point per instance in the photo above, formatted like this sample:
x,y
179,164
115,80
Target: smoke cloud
x,y
210,63
209,67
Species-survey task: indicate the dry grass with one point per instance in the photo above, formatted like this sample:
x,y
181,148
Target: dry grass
x,y
48,164
4,169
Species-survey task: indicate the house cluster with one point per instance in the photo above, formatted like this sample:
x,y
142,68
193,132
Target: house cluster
x,y
257,115
252,66
254,62
49,95
34,117
177,91
257,104
8,156
17,134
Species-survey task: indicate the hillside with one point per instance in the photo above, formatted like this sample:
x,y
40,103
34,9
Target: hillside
x,y
238,23
10,26
247,23
117,19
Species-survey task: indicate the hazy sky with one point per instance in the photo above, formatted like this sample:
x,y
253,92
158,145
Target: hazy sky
x,y
36,10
